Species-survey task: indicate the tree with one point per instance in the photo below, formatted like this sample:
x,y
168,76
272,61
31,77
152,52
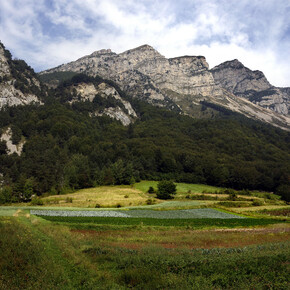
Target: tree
x,y
151,190
27,190
3,147
284,191
166,189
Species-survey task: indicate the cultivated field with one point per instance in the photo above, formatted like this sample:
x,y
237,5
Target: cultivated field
x,y
125,243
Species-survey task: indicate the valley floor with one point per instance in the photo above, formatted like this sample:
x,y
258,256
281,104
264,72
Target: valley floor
x,y
177,244
70,253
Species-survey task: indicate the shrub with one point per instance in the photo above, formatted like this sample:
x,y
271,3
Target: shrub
x,y
257,202
36,201
151,190
6,195
232,196
97,205
69,200
166,189
150,201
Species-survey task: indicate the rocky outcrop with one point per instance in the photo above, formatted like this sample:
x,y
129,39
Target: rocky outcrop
x,y
12,148
181,83
88,92
15,91
252,85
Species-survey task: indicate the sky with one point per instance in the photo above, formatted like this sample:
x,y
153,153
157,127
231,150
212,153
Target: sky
x,y
47,33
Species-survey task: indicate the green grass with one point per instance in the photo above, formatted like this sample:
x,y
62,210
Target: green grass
x,y
7,211
196,188
181,187
155,268
36,253
30,259
191,223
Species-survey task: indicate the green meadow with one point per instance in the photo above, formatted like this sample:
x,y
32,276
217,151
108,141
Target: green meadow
x,y
157,246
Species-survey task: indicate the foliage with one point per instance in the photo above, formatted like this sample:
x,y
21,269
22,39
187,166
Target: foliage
x,y
284,191
197,223
6,195
36,201
166,189
151,189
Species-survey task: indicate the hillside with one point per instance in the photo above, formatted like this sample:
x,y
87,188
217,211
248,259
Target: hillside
x,y
89,131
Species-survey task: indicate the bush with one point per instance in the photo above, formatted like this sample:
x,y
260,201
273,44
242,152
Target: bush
x,y
151,190
6,195
36,201
166,189
257,203
232,196
150,201
69,200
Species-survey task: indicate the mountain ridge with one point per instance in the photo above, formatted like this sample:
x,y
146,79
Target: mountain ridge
x,y
183,81
252,85
88,130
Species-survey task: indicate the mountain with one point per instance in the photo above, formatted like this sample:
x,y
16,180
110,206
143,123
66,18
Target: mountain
x,y
18,82
182,84
252,85
138,116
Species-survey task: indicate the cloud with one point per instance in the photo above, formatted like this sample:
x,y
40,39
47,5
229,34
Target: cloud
x,y
47,33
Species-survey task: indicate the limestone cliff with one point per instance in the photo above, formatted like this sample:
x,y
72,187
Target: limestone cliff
x,y
18,85
121,111
252,85
177,83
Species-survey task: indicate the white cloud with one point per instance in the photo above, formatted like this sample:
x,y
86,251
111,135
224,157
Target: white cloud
x,y
253,31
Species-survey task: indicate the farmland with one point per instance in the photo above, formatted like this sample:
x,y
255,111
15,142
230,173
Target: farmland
x,y
180,243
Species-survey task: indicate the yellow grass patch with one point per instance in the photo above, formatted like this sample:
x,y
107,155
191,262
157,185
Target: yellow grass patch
x,y
258,208
103,196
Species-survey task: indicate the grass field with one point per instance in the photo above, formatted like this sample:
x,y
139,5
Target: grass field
x,y
182,188
158,246
104,196
37,253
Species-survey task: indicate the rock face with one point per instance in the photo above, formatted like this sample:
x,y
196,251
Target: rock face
x,y
15,91
180,83
88,92
252,85
12,148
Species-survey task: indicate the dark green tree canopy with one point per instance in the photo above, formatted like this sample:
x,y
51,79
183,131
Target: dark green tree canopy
x,y
166,189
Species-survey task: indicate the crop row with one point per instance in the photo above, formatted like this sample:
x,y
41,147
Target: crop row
x,y
195,223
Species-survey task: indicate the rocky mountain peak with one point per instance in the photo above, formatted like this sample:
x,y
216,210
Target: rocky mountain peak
x,y
140,54
143,49
252,85
102,52
234,64
182,83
